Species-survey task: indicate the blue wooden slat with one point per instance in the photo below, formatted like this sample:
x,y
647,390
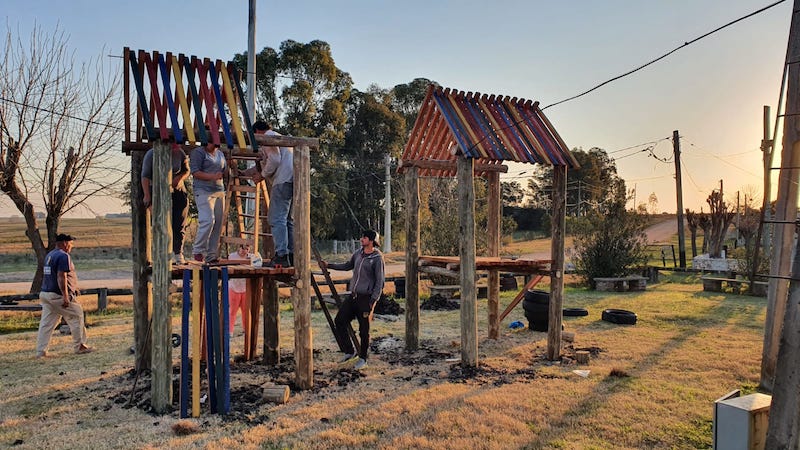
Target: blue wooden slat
x,y
220,105
245,113
173,113
452,122
137,80
196,102
497,146
226,346
554,160
512,126
217,336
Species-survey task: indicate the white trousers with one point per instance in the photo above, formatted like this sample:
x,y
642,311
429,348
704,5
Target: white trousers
x,y
52,311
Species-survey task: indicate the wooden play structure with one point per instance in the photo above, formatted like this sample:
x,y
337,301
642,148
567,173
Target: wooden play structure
x,y
467,135
198,101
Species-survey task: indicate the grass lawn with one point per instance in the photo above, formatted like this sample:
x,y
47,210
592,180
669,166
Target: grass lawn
x,y
687,349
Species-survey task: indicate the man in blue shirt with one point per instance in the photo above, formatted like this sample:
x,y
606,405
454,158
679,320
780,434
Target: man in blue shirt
x,y
58,298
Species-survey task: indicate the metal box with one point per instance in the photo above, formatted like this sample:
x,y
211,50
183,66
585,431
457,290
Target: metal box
x,y
740,422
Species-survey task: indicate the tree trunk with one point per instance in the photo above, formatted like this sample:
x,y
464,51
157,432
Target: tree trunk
x,y
693,232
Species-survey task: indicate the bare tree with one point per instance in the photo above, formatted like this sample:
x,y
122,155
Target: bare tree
x,y
721,219
57,132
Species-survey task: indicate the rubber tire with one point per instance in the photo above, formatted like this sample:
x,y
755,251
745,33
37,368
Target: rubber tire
x,y
619,316
536,296
575,312
176,340
538,325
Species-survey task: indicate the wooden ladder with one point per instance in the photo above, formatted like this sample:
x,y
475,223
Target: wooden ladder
x,y
243,227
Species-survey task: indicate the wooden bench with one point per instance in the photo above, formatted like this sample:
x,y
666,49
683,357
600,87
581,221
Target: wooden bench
x,y
8,302
621,284
738,286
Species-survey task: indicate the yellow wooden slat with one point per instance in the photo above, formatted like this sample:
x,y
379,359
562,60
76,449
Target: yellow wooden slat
x,y
231,99
187,118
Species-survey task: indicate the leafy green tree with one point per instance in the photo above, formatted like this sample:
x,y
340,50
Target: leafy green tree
x,y
595,183
407,98
610,242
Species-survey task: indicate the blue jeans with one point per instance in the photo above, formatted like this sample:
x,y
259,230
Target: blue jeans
x,y
280,218
210,206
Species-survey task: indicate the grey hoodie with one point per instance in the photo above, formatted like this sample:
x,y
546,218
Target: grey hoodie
x,y
368,273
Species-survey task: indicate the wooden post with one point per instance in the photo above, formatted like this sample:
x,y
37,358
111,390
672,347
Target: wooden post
x,y
469,300
785,211
494,224
412,259
142,301
102,299
557,266
301,292
782,332
161,388
272,322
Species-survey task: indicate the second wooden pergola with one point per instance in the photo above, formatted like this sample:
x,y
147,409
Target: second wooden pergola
x,y
471,134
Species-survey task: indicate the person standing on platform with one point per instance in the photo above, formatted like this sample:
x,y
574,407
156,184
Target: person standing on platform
x,y
366,287
207,166
277,165
180,198
59,298
237,290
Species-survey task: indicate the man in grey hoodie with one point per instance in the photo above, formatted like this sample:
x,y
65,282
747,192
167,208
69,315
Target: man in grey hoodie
x,y
366,287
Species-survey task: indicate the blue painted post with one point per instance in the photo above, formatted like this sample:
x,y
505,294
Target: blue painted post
x,y
185,371
226,346
208,290
217,337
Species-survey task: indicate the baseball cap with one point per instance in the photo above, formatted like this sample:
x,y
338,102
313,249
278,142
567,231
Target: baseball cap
x,y
64,238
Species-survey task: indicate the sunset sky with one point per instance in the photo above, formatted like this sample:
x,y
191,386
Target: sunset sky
x,y
712,91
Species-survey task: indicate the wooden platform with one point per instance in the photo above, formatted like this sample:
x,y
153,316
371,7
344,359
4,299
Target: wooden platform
x,y
237,270
489,263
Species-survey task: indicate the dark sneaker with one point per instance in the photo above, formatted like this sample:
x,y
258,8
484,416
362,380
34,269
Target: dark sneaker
x,y
198,257
348,357
360,364
279,260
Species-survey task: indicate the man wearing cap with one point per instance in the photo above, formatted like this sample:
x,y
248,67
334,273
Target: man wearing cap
x,y
180,198
207,166
366,287
58,298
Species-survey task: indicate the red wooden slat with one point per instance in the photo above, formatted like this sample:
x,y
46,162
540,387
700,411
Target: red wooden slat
x,y
161,108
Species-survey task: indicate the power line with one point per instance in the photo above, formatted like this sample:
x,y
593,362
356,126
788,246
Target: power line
x,y
721,159
685,44
61,114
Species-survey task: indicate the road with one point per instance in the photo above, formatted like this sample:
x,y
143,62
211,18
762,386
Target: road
x,y
659,232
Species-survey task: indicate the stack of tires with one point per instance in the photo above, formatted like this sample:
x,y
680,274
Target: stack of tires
x,y
537,309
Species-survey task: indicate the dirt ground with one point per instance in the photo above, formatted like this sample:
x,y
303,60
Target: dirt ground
x,y
651,385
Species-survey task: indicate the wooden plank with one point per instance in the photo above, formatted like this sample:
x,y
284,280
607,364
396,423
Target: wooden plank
x,y
469,300
327,313
161,385
230,99
335,295
195,340
272,335
126,88
573,163
7,307
243,103
494,221
412,255
196,100
173,112
139,83
557,266
518,298
155,98
223,118
184,105
208,100
142,300
447,165
301,292
420,125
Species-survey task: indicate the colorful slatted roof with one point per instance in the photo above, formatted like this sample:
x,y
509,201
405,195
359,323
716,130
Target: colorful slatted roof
x,y
194,99
491,129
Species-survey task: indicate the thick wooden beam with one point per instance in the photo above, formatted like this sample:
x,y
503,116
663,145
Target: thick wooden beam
x,y
494,223
262,139
412,257
469,297
142,300
450,166
161,386
557,266
272,323
301,292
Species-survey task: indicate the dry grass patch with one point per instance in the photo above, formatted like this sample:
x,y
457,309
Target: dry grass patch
x,y
687,349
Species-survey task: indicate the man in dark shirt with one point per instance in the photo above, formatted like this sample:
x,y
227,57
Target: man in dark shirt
x,y
58,298
366,287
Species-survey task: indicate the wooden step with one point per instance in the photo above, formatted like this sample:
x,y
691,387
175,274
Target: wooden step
x,y
242,188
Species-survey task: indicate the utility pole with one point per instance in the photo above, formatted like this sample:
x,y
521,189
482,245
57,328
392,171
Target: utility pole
x,y
676,147
782,328
387,220
251,63
736,244
762,237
